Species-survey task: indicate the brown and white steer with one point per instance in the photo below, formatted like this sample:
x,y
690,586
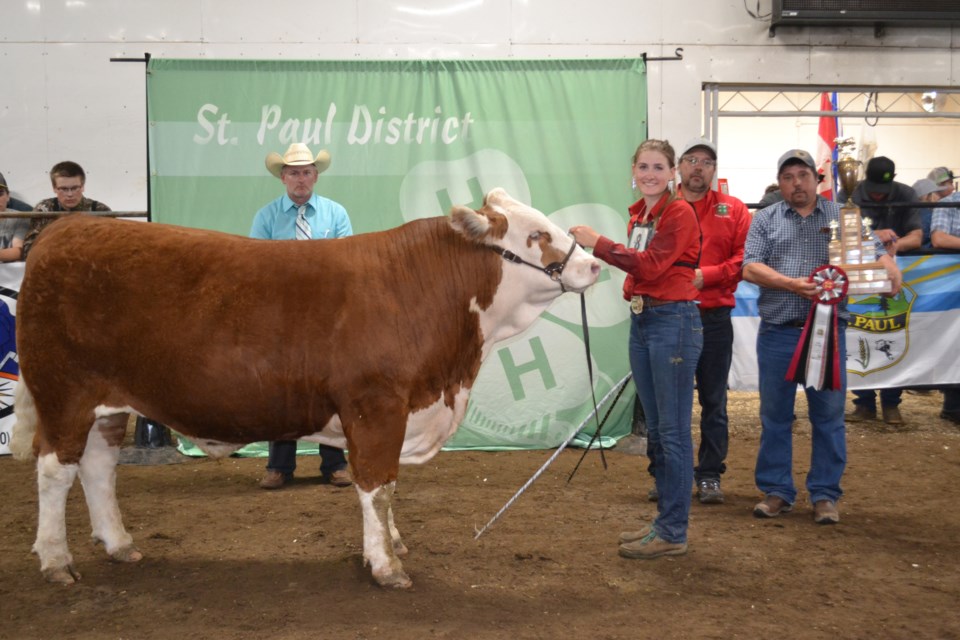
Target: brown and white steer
x,y
370,342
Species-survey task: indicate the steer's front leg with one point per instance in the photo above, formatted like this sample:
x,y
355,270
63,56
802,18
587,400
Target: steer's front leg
x,y
378,543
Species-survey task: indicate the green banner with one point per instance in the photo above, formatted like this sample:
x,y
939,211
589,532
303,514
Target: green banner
x,y
408,139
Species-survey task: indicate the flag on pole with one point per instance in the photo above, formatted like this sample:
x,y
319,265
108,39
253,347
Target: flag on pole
x,y
827,147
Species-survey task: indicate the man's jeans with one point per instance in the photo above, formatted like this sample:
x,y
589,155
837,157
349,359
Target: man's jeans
x,y
665,345
868,398
712,372
283,458
775,347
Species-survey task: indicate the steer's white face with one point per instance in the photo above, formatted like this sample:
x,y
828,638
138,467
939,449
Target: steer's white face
x,y
526,289
536,240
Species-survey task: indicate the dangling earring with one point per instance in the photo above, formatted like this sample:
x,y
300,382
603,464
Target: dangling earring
x,y
633,184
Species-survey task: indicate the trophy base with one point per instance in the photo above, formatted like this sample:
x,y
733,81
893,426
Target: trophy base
x,y
867,278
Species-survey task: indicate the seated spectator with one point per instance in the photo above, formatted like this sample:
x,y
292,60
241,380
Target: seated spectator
x,y
771,195
12,230
927,191
943,177
14,204
945,225
68,180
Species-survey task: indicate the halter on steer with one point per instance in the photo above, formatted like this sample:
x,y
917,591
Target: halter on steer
x,y
554,269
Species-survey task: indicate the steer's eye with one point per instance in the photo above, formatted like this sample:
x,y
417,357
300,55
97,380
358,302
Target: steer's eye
x,y
535,236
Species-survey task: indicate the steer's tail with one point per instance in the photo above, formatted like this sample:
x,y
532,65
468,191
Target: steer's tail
x,y
21,443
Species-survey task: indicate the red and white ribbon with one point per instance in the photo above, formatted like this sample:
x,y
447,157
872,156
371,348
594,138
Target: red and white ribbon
x,y
816,362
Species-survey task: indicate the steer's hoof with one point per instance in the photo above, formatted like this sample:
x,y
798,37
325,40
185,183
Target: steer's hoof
x,y
128,553
62,575
396,580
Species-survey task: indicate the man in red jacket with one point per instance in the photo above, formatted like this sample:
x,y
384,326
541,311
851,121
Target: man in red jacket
x,y
724,222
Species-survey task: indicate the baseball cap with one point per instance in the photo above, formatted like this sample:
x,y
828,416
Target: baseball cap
x,y
799,155
699,142
879,175
941,174
925,186
3,182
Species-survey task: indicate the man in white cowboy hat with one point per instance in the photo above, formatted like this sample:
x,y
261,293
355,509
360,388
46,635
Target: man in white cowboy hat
x,y
301,214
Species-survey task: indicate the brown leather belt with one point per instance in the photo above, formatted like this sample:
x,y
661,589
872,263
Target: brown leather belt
x,y
639,303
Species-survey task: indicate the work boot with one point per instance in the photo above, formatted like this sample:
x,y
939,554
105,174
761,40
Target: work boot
x,y
652,546
339,478
891,415
709,491
825,512
771,507
275,479
633,536
861,413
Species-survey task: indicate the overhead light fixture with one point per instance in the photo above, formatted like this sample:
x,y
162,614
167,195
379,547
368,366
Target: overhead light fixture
x,y
929,101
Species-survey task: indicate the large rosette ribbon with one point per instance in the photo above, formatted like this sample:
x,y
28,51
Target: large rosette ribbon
x,y
816,362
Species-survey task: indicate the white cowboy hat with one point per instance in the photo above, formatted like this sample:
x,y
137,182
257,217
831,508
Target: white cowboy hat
x,y
297,155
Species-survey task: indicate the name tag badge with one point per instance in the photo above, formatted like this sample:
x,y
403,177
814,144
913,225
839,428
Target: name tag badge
x,y
636,305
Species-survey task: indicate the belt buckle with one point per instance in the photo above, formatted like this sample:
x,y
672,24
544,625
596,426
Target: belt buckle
x,y
636,305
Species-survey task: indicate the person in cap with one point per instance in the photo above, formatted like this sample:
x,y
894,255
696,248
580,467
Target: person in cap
x,y
301,214
927,191
14,204
944,179
724,222
12,230
68,180
900,229
945,225
660,258
785,244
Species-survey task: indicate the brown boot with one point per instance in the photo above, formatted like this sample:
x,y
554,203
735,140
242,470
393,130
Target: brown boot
x,y
891,415
861,414
825,512
771,507
339,478
274,480
652,546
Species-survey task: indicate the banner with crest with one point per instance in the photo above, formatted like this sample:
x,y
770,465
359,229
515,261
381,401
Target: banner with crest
x,y
908,340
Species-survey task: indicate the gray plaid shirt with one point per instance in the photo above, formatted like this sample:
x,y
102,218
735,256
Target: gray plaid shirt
x,y
793,246
947,220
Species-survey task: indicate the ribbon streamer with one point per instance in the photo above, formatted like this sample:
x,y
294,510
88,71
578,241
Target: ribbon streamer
x,y
816,362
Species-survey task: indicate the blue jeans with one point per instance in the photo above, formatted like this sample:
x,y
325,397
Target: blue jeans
x,y
712,372
665,345
283,458
868,398
828,458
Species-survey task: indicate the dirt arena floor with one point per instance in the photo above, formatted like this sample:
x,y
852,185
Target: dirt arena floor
x,y
224,559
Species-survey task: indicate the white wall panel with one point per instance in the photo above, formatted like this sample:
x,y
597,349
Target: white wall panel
x,y
575,21
835,65
121,21
715,23
434,21
279,21
22,22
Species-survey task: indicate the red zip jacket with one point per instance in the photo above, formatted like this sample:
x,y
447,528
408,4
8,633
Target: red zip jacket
x,y
723,238
653,272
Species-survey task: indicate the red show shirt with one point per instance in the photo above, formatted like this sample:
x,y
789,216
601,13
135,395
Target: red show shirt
x,y
652,272
723,238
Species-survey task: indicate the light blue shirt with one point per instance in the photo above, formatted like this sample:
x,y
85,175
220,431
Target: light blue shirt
x,y
277,220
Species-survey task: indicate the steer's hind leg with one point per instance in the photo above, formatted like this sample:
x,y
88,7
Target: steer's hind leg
x,y
98,474
53,482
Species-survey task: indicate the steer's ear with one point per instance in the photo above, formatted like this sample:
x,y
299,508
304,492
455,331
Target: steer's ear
x,y
473,225
488,222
